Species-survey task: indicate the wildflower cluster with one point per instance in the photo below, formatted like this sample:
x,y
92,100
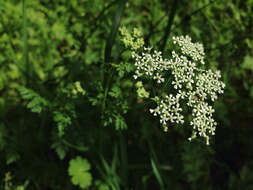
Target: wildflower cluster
x,y
148,64
169,110
191,83
194,50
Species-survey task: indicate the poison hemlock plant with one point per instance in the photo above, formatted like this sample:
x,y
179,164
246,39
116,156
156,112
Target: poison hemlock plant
x,y
79,172
189,83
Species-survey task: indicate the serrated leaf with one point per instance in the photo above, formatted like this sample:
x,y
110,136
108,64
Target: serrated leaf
x,y
103,187
61,152
115,91
129,67
33,103
83,180
79,172
36,109
120,122
36,103
60,149
62,120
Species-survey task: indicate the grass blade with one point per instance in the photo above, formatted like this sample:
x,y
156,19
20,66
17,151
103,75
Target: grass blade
x,y
114,29
155,166
156,173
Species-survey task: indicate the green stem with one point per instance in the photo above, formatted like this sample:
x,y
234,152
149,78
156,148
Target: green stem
x,y
111,39
170,22
108,47
106,90
76,147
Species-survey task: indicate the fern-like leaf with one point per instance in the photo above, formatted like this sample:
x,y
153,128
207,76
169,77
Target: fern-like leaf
x,y
36,102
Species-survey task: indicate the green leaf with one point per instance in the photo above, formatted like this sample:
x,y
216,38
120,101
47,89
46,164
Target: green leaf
x,y
156,172
60,149
120,122
115,92
248,63
103,187
155,165
36,103
79,172
59,31
11,157
62,120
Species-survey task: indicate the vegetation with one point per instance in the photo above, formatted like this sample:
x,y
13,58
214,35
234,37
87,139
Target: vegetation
x,y
95,95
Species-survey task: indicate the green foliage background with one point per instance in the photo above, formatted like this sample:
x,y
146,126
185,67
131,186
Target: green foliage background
x,y
68,96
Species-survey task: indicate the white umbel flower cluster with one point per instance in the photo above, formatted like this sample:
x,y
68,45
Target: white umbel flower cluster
x,y
192,85
194,50
169,110
149,64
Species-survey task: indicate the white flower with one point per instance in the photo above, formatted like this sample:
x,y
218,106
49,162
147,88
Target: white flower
x,y
193,85
194,50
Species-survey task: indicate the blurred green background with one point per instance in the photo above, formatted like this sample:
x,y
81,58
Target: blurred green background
x,y
68,96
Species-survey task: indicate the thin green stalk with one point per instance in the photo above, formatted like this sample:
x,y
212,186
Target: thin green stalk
x,y
115,26
76,147
170,22
108,47
106,91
